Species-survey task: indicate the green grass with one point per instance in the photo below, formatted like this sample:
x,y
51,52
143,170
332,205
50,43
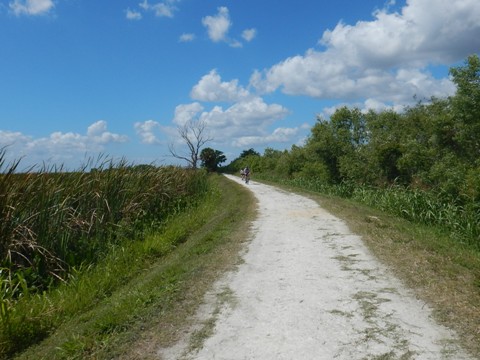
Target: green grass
x,y
66,238
142,292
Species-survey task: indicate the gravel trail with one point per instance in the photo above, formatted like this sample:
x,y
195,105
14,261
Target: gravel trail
x,y
309,289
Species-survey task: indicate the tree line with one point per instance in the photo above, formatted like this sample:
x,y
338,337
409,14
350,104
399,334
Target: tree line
x,y
430,147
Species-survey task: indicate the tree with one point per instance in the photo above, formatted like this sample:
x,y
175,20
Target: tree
x,y
322,147
212,158
193,134
249,152
466,107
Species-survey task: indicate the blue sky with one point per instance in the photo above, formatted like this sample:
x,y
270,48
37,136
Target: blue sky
x,y
83,77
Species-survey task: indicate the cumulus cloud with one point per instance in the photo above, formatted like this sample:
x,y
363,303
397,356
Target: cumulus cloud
x,y
218,25
386,58
10,138
166,8
31,7
162,9
250,117
133,15
247,116
98,134
58,146
249,34
146,130
187,37
425,31
252,114
186,112
279,135
320,75
211,88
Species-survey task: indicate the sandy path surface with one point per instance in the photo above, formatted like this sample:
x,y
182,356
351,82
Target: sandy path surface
x,y
309,289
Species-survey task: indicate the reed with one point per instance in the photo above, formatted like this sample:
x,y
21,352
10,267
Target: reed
x,y
57,225
53,221
461,219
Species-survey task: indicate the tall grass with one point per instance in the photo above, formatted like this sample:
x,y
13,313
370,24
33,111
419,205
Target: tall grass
x,y
427,207
461,218
54,222
138,285
56,225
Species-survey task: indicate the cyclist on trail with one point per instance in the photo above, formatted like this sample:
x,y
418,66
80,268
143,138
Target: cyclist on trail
x,y
246,174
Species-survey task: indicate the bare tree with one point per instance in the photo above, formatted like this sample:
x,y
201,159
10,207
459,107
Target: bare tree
x,y
193,134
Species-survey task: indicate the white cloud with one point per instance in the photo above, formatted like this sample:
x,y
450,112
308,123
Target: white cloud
x,y
385,58
186,112
425,31
133,15
218,25
187,37
146,131
31,7
98,134
250,115
211,88
248,118
145,5
11,138
97,128
321,75
249,34
163,9
235,43
60,147
279,135
374,104
166,8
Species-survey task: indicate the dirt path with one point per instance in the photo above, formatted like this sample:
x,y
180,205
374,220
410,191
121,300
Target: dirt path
x,y
309,289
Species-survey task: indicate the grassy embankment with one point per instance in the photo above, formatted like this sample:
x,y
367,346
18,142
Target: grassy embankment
x,y
443,271
133,286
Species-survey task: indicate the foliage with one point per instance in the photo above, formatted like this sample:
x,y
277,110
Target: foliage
x,y
211,159
249,152
466,108
421,163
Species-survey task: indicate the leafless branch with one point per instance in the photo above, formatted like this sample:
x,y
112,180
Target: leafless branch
x,y
194,136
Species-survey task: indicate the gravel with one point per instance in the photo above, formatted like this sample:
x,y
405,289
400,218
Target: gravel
x,y
308,288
